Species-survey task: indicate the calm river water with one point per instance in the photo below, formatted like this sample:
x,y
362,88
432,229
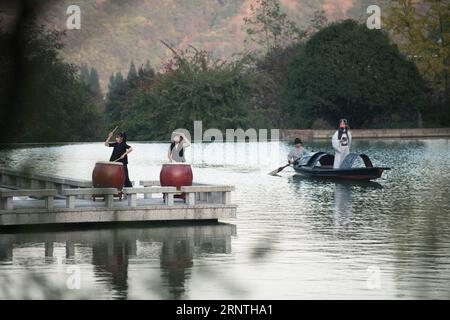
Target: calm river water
x,y
293,237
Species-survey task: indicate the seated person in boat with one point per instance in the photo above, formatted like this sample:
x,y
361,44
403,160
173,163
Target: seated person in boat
x,y
298,152
341,141
177,147
120,152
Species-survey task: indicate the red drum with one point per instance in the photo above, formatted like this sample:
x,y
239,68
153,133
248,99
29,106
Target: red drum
x,y
108,175
175,175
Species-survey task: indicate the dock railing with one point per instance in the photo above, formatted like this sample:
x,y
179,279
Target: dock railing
x,y
6,197
31,181
199,192
37,199
194,195
107,193
208,194
168,194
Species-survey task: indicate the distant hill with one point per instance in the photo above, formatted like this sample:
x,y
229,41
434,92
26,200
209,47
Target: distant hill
x,y
114,32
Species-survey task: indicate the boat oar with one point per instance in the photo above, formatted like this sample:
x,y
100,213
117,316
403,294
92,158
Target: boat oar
x,y
274,172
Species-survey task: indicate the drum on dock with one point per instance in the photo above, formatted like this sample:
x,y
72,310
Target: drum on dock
x,y
108,174
176,175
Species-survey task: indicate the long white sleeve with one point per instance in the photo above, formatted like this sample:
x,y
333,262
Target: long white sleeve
x,y
349,139
335,142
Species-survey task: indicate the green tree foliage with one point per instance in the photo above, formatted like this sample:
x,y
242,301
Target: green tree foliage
x,y
422,31
6,67
123,92
347,70
91,79
132,73
193,87
94,82
84,73
50,102
272,67
116,97
146,75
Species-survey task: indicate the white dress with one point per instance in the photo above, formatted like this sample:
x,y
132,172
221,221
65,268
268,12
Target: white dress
x,y
341,151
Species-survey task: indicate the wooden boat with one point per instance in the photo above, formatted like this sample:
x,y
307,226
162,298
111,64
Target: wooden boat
x,y
320,165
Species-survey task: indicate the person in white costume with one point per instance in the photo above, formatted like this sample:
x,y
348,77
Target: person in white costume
x,y
341,141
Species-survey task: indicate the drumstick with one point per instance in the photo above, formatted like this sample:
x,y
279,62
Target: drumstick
x,y
115,129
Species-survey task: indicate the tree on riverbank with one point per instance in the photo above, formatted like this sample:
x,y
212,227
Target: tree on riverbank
x,y
347,70
273,63
91,79
422,32
123,92
44,99
342,70
192,87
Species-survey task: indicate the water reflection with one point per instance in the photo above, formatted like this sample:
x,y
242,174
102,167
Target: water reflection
x,y
111,258
114,251
176,261
342,206
334,203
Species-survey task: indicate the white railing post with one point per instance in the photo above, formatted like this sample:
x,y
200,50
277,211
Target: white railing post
x,y
49,202
132,200
226,197
7,203
70,202
169,199
190,199
109,200
34,184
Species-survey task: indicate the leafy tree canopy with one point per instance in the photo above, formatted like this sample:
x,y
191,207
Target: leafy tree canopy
x,y
47,100
347,70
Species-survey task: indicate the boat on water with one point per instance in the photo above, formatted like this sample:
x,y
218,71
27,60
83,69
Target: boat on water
x,y
320,165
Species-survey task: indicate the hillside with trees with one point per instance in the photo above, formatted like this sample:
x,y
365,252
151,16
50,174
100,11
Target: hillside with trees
x,y
283,74
115,32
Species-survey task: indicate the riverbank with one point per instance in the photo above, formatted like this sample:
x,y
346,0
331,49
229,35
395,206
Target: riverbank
x,y
288,135
312,134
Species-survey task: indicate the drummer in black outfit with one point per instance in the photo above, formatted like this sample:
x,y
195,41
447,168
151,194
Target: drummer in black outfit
x,y
120,152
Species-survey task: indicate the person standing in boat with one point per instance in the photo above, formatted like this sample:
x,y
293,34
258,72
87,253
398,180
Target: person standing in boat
x,y
120,152
177,147
341,142
298,153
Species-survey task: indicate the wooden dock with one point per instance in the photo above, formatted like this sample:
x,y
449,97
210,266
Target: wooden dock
x,y
27,199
